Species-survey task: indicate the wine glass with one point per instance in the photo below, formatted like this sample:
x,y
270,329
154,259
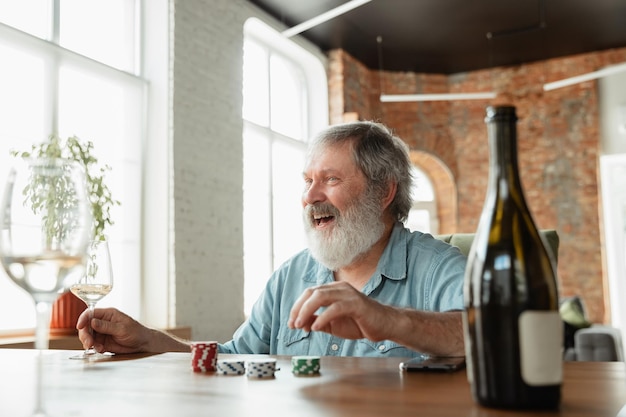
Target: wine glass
x,y
45,226
93,285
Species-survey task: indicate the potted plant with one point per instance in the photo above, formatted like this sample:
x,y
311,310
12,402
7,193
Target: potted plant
x,y
68,307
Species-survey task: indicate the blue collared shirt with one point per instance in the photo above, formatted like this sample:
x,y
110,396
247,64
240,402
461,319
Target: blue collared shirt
x,y
415,271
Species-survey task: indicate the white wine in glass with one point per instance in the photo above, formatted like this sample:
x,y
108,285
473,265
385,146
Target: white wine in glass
x,y
94,284
45,227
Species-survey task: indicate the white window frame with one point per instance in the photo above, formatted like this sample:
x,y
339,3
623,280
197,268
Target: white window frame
x,y
612,169
316,85
126,180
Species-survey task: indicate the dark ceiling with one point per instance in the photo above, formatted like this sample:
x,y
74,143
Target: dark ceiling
x,y
450,36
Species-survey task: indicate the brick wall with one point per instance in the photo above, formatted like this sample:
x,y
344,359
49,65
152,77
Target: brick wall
x,y
558,141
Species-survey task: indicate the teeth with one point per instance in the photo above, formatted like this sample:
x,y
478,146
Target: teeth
x,y
320,216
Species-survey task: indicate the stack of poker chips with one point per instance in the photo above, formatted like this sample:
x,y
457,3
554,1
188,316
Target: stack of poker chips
x,y
305,365
261,368
231,367
203,356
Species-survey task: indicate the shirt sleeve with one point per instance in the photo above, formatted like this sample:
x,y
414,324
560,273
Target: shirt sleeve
x,y
447,280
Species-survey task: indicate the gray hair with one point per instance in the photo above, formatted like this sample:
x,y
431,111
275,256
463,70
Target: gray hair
x,y
381,156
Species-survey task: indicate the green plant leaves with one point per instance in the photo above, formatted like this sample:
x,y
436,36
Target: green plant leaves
x,y
74,149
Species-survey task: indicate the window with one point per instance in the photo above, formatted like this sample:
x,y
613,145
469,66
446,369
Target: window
x,y
74,71
613,175
284,103
423,214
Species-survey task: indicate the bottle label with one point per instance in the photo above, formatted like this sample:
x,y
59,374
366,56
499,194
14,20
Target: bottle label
x,y
541,341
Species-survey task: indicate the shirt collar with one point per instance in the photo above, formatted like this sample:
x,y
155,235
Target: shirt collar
x,y
392,263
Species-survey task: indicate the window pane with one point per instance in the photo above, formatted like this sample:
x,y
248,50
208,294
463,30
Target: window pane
x,y
257,250
255,84
31,16
21,97
419,220
100,29
21,107
287,91
287,189
108,114
422,187
423,215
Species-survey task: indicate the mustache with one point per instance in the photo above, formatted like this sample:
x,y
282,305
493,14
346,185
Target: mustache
x,y
320,209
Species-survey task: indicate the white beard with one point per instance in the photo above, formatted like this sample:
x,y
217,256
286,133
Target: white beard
x,y
353,233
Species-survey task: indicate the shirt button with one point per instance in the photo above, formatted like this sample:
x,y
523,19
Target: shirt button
x,y
334,347
381,347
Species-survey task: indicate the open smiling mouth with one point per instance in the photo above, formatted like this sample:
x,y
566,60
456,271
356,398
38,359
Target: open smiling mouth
x,y
321,220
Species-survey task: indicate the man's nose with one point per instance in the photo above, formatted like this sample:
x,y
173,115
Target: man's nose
x,y
313,194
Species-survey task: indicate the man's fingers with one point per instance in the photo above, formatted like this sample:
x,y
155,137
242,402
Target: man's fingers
x,y
83,320
106,334
295,317
86,339
306,315
101,326
109,328
323,320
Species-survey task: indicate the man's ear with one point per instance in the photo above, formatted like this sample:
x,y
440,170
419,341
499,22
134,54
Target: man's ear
x,y
391,193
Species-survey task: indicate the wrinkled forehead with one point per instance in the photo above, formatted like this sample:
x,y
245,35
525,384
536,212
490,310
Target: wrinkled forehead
x,y
331,154
330,145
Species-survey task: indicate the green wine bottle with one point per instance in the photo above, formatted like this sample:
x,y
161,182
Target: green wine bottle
x,y
513,331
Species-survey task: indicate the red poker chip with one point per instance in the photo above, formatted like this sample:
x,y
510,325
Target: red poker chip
x,y
203,356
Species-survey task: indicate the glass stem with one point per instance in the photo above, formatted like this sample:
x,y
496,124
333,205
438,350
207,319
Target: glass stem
x,y
91,307
39,410
44,310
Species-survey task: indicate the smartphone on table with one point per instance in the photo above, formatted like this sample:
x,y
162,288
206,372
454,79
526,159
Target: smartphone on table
x,y
433,364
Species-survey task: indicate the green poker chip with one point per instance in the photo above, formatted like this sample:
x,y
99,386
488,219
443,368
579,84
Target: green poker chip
x,y
305,365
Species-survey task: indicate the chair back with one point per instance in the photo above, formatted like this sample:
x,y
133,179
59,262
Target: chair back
x,y
463,241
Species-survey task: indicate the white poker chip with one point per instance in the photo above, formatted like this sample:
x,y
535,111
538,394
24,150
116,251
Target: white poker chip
x,y
231,367
264,368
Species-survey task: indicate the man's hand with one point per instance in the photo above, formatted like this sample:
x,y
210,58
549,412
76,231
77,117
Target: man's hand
x,y
116,332
347,312
350,314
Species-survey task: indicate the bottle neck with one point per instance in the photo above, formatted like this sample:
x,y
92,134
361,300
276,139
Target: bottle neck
x,y
503,167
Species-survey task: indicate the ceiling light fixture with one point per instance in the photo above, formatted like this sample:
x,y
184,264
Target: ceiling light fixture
x,y
403,98
399,98
308,24
604,72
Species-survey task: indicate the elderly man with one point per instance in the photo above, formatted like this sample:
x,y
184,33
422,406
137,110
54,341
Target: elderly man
x,y
366,286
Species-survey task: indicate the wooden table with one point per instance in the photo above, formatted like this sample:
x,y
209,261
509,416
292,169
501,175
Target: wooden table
x,y
164,385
